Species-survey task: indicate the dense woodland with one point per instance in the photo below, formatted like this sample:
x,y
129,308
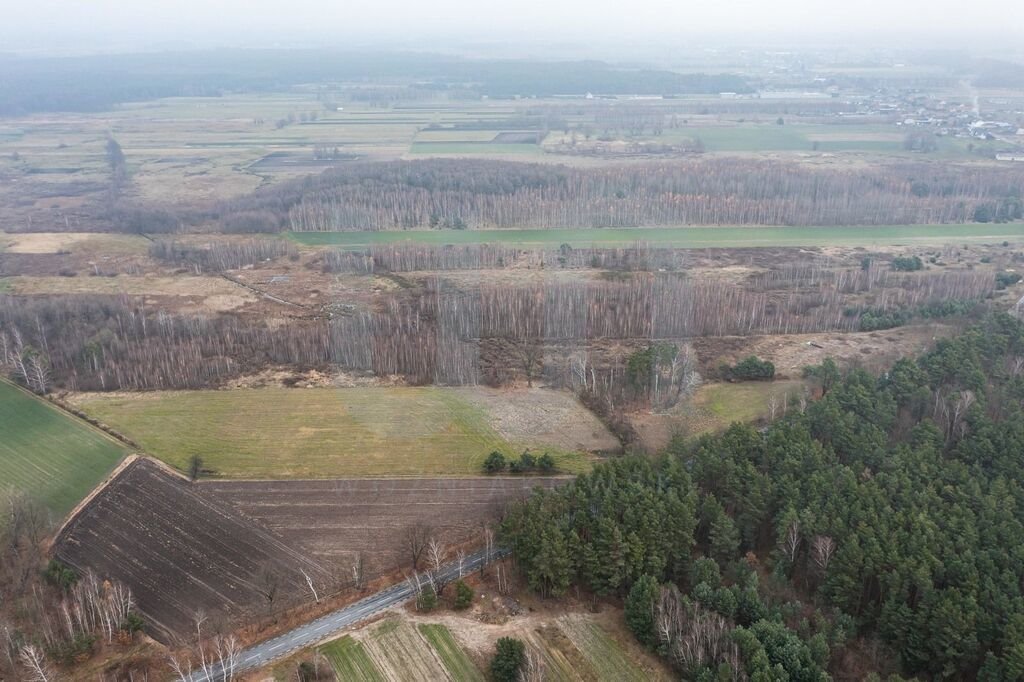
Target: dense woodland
x,y
478,194
889,511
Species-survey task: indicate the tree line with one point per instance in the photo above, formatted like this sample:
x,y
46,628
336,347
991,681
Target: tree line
x,y
887,514
481,193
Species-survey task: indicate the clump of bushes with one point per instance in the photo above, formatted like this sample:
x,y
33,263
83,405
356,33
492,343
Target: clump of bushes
x,y
907,263
752,368
426,600
525,464
875,319
60,575
1005,279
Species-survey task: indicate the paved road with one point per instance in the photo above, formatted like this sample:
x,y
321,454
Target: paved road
x,y
326,626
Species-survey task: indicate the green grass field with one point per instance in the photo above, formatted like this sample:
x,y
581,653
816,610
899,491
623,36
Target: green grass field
x,y
681,237
350,661
464,148
315,433
49,455
720,405
601,650
452,655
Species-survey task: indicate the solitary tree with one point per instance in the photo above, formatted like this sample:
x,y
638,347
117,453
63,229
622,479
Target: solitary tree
x,y
417,537
508,659
195,467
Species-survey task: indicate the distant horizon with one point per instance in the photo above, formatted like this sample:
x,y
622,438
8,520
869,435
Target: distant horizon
x,y
656,50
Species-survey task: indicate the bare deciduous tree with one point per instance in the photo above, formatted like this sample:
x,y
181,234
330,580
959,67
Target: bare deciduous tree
x,y
358,571
34,661
310,585
416,538
267,581
791,542
823,548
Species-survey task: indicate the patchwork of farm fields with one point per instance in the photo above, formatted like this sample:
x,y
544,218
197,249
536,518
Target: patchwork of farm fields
x,y
681,237
217,545
49,455
340,432
572,648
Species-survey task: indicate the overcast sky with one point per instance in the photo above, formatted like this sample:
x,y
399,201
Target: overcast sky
x,y
42,25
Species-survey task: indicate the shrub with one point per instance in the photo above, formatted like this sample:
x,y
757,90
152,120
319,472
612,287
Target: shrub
x,y
508,659
494,463
907,263
527,461
133,623
427,599
60,574
463,595
1005,279
752,369
546,463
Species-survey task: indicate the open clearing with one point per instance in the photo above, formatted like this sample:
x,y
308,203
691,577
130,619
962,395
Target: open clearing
x,y
181,546
682,237
714,408
88,243
360,431
48,454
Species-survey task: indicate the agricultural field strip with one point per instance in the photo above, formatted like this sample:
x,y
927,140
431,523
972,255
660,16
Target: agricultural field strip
x,y
324,627
453,657
50,454
679,237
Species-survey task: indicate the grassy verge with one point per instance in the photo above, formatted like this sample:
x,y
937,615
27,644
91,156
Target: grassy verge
x,y
45,453
682,237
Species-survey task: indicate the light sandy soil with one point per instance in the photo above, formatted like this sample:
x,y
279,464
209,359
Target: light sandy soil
x,y
792,352
56,242
540,414
214,294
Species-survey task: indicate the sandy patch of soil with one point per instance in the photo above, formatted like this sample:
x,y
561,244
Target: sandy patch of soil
x,y
542,415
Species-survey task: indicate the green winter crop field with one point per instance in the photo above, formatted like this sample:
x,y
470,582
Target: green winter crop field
x,y
682,237
49,455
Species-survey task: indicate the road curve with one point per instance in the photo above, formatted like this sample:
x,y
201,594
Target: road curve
x,y
327,626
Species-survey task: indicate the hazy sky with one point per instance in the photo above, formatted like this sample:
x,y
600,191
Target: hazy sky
x,y
42,25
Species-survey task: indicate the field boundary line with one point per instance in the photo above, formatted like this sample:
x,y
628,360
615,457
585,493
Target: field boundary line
x,y
121,467
167,468
260,292
214,480
59,406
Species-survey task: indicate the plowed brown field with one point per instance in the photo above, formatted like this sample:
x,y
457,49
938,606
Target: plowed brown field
x,y
209,546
